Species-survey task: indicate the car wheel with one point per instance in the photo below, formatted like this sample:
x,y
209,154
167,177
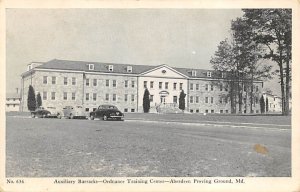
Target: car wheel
x,y
92,117
104,118
44,115
32,115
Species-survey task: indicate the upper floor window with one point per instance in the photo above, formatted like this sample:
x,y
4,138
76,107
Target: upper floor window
x,y
114,97
180,86
160,85
87,96
73,81
91,67
95,82
208,74
129,69
145,84
132,84
65,81
45,79
197,87
211,87
114,83
166,85
194,73
174,86
191,99
107,83
65,95
151,84
52,95
126,83
206,87
44,95
73,96
87,82
191,86
53,80
151,98
110,68
94,96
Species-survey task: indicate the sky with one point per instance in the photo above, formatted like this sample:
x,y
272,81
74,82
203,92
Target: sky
x,y
176,37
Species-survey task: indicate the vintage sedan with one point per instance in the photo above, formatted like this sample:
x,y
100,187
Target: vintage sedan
x,y
107,112
40,112
71,112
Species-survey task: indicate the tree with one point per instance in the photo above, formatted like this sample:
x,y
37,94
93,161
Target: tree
x,y
182,100
267,105
146,101
38,100
262,104
272,29
31,102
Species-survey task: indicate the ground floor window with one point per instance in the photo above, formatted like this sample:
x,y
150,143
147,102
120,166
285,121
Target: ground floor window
x,y
125,110
191,110
212,111
221,111
206,111
197,110
87,109
226,111
132,110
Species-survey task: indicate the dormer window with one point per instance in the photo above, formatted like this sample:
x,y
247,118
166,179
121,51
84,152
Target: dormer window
x,y
91,67
208,74
129,69
29,67
194,73
110,68
223,75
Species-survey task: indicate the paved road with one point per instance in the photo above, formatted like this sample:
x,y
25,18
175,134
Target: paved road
x,y
147,147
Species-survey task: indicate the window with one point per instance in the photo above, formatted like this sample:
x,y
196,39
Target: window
x,y
114,83
110,68
126,83
52,95
73,81
126,97
95,82
221,87
65,81
180,86
211,87
197,110
94,96
132,110
191,86
65,95
191,110
223,75
145,84
53,80
107,83
125,110
132,84
226,111
91,67
129,69
174,86
221,111
206,99
45,79
206,111
208,74
151,98
206,87
212,111
174,99
191,99
87,96
194,73
73,96
29,67
114,97
211,100
107,97
132,97
197,99
160,85
44,95
197,87
87,109
151,84
87,82
166,85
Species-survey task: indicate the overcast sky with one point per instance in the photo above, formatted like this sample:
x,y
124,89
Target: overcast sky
x,y
176,37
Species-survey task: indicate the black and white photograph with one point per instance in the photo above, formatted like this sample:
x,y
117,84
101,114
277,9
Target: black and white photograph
x,y
149,95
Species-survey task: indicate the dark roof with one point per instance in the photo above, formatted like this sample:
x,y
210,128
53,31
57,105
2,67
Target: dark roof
x,y
98,67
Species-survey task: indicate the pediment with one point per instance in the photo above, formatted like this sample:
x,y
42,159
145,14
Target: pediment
x,y
164,71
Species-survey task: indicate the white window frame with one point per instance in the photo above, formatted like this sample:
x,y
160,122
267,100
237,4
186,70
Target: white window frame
x,y
194,73
208,73
129,69
110,68
91,67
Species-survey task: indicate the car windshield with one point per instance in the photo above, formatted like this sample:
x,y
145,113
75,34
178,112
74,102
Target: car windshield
x,y
108,107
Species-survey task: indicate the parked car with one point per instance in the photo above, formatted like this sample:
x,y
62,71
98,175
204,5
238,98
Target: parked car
x,y
106,112
54,112
40,112
71,112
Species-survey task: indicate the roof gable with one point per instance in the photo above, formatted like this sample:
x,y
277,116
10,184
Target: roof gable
x,y
164,71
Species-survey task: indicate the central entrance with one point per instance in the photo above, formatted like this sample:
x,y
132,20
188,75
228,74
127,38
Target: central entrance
x,y
163,95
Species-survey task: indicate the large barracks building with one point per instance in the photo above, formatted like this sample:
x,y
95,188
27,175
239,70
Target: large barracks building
x,y
90,84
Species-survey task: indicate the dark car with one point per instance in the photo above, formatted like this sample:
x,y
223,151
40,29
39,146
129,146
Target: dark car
x,y
40,112
106,112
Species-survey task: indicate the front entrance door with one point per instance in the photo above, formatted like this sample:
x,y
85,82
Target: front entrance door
x,y
162,99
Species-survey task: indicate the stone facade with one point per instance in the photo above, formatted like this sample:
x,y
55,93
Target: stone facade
x,y
90,87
